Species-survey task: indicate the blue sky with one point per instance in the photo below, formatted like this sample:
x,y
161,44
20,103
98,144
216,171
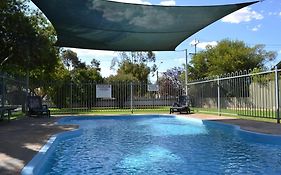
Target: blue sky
x,y
257,24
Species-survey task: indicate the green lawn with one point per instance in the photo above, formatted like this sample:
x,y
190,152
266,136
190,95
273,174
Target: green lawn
x,y
241,114
158,110
266,116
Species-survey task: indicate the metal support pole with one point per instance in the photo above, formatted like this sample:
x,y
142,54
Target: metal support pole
x,y
3,95
27,77
71,106
219,100
3,92
277,95
186,73
157,81
132,111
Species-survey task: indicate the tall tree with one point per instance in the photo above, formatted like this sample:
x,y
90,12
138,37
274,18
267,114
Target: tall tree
x,y
135,64
171,82
95,63
71,60
139,71
229,56
26,41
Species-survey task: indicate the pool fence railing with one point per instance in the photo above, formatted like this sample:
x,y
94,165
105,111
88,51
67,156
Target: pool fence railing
x,y
243,93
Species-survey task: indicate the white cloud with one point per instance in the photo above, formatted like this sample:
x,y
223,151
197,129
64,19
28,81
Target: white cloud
x,y
168,3
203,45
273,13
133,1
280,14
242,15
256,28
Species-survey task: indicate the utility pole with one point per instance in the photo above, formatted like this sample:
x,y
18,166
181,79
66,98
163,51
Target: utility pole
x,y
157,73
196,42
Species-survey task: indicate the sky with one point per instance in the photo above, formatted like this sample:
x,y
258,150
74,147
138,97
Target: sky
x,y
256,24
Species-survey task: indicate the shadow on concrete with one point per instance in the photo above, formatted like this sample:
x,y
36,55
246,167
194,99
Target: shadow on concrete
x,y
21,139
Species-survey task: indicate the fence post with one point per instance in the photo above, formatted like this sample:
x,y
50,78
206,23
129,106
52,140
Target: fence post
x,y
71,105
3,91
277,95
219,100
132,111
3,95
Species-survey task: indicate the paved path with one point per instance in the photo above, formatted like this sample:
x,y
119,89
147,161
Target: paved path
x,y
249,125
21,139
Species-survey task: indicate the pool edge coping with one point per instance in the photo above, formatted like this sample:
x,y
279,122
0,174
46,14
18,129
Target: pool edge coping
x,y
34,165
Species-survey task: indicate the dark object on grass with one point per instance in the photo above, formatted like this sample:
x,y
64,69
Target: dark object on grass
x,y
181,106
35,107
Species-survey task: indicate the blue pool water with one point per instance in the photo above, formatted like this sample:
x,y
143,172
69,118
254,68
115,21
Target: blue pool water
x,y
162,145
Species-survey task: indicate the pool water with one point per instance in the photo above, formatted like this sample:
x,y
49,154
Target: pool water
x,y
160,145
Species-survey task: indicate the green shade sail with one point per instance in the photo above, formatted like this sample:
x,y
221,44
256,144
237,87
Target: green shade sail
x,y
106,25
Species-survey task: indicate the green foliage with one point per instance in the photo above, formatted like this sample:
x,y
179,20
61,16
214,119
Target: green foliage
x,y
134,57
171,82
121,78
81,81
95,64
135,63
71,60
121,87
85,75
229,56
261,79
26,43
139,71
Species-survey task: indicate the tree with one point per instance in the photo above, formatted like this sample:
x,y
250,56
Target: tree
x,y
11,14
26,43
135,63
139,71
229,56
95,63
80,78
121,87
71,60
170,82
134,57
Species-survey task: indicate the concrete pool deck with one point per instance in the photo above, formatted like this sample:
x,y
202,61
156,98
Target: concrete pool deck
x,y
21,139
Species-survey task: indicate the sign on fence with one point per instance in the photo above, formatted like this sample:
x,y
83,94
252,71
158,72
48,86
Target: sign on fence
x,y
152,87
103,91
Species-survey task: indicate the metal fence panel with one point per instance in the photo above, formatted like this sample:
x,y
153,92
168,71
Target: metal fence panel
x,y
242,93
12,92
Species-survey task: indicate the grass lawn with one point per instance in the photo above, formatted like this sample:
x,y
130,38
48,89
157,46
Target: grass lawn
x,y
265,116
241,114
158,110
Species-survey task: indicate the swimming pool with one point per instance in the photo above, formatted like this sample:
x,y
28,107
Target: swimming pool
x,y
156,145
